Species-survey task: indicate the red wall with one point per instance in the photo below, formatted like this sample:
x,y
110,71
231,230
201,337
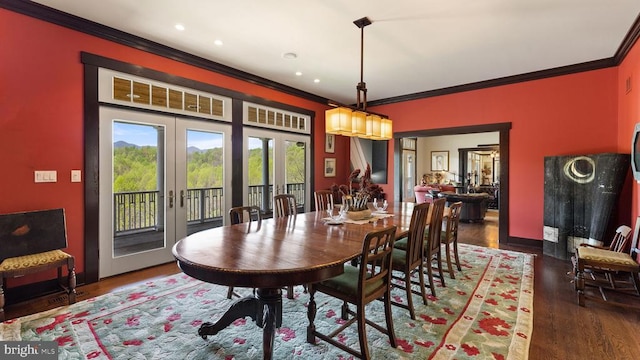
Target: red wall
x,y
573,114
41,125
629,113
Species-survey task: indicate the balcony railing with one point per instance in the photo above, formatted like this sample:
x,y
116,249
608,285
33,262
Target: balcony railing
x,y
256,195
137,211
204,204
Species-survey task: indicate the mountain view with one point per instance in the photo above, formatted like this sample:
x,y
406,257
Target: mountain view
x,y
135,168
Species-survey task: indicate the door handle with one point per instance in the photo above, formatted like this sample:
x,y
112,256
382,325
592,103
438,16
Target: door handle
x,y
170,199
277,189
181,198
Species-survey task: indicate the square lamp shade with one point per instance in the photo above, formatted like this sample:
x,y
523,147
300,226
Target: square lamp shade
x,y
338,121
358,123
386,129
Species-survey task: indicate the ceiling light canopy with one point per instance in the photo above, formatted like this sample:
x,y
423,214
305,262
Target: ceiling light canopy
x,y
350,121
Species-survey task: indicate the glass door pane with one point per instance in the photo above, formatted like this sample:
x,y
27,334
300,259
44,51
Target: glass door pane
x,y
295,171
137,162
260,173
204,180
202,161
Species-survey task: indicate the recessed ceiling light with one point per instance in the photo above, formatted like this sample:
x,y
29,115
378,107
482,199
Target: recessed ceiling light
x,y
290,56
180,27
316,81
218,42
298,73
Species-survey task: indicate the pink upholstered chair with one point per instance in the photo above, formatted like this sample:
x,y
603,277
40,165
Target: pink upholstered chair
x,y
422,194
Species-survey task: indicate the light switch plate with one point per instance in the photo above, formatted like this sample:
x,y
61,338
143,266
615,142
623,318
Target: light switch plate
x,y
45,176
76,176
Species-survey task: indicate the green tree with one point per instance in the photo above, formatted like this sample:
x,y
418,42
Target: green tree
x,y
295,163
135,168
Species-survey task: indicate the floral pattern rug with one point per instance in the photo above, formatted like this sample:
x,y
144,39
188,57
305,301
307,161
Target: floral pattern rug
x,y
485,313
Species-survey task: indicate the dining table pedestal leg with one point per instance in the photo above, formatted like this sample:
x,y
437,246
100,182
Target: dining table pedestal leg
x,y
265,308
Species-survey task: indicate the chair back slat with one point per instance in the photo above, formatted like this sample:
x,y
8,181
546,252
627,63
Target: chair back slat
x,y
453,220
435,226
415,237
634,242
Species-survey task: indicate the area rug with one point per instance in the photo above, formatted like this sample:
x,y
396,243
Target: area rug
x,y
485,313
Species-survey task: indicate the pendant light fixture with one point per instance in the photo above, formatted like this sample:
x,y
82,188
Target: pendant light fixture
x,y
349,121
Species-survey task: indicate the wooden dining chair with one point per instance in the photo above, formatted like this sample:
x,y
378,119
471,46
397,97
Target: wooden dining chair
x,y
603,267
432,243
241,214
619,243
410,260
359,286
449,238
324,200
284,205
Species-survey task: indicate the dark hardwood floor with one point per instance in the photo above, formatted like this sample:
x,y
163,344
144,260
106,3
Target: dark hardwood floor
x,y
562,329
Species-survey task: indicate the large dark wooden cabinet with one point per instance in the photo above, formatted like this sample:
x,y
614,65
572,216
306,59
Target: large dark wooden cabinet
x,y
580,194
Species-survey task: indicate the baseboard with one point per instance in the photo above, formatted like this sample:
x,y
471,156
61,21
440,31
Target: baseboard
x,y
31,291
532,243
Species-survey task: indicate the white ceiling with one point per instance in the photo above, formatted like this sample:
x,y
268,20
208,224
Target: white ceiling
x,y
412,45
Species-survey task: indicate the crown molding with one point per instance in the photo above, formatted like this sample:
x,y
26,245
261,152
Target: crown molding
x,y
536,75
632,36
76,23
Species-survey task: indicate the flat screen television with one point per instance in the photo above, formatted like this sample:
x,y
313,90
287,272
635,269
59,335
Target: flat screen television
x,y
635,152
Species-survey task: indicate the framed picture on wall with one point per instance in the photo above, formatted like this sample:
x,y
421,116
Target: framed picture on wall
x,y
439,161
329,167
330,143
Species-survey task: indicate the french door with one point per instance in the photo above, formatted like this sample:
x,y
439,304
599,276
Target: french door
x,y
161,178
408,168
276,163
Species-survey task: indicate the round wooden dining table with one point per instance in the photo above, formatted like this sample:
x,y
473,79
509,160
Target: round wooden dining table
x,y
275,253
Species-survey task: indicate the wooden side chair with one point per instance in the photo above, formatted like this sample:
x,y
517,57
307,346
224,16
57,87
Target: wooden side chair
x,y
619,243
241,214
33,243
613,264
324,200
34,263
449,238
432,243
359,286
284,205
408,258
